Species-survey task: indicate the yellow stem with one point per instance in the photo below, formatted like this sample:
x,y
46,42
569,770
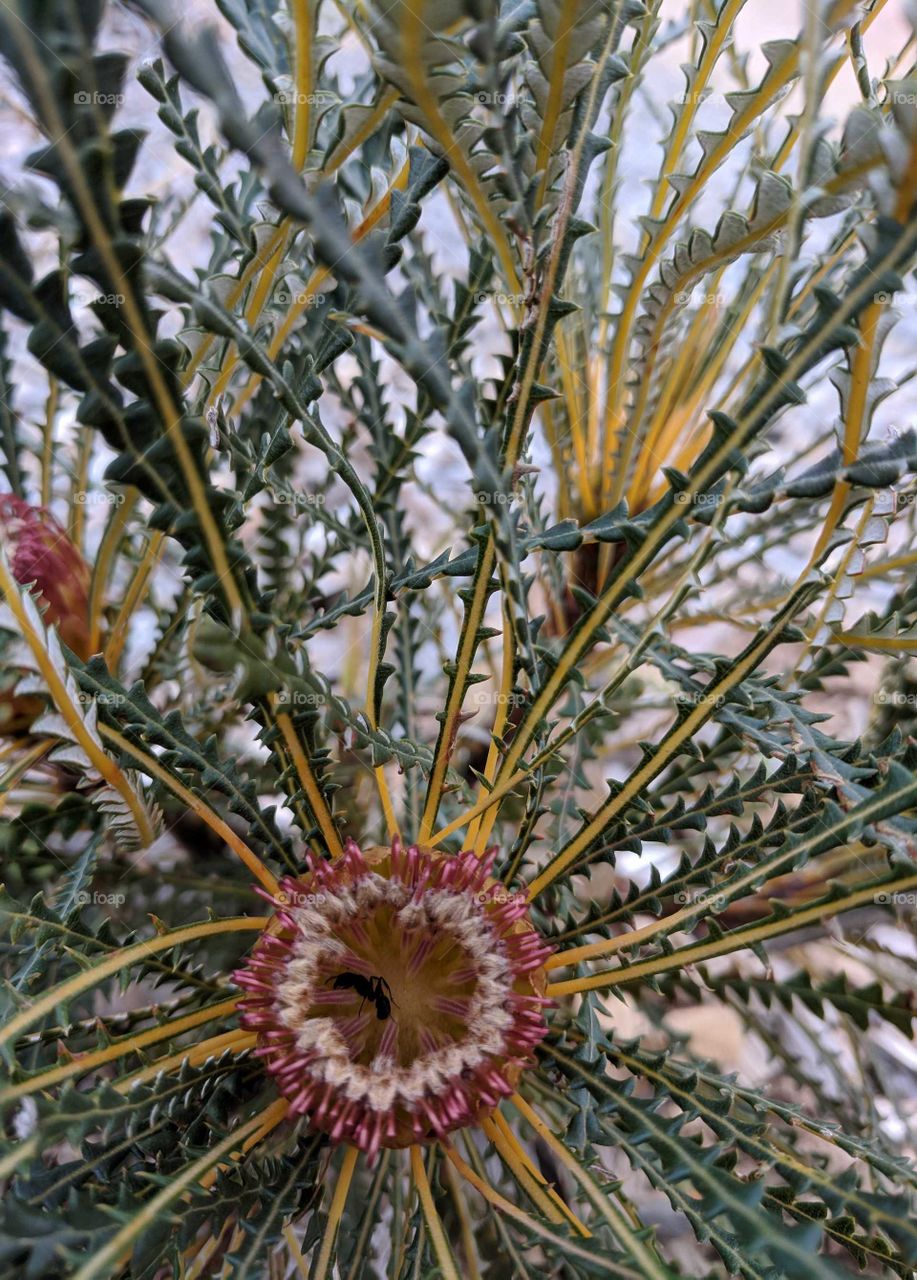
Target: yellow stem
x,y
316,800
528,1175
302,79
108,1260
532,1225
150,765
194,1055
413,30
860,381
271,1117
64,992
336,1212
47,452
565,16
444,1257
611,596
838,575
614,479
260,259
453,707
317,278
722,33
649,1262
881,567
22,766
465,1226
372,708
111,538
68,712
79,488
202,1252
479,831
478,602
669,747
135,593
302,1266
85,1062
743,938
259,297
170,415
21,1152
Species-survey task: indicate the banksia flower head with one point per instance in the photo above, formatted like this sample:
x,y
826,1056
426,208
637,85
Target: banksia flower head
x,y
40,551
397,994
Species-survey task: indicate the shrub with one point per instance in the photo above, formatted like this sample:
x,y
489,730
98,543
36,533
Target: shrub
x,y
508,576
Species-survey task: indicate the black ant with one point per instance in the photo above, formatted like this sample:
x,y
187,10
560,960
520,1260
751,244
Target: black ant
x,y
375,989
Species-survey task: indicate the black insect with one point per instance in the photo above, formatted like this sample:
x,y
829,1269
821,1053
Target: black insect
x,y
375,989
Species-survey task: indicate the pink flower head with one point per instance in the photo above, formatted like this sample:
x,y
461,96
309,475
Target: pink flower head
x,y
397,994
39,550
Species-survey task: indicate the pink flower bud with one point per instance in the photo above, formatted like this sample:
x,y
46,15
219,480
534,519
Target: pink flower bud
x,y
40,551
